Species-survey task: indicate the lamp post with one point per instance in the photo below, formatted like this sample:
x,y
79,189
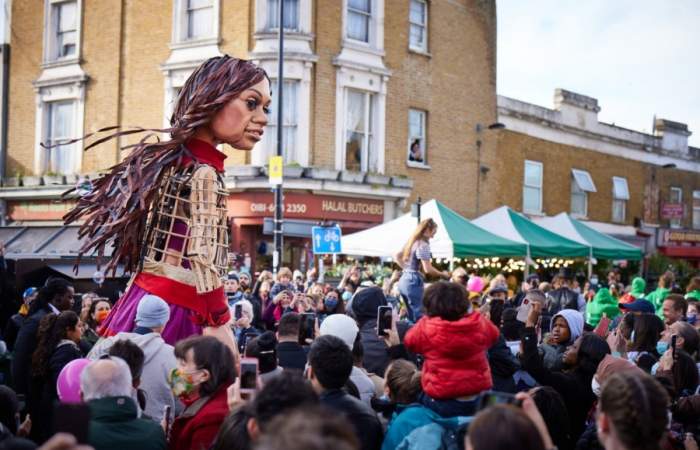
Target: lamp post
x,y
279,190
479,168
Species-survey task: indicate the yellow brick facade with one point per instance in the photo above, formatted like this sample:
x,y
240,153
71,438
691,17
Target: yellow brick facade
x,y
125,43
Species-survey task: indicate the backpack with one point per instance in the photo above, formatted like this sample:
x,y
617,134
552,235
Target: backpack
x,y
444,434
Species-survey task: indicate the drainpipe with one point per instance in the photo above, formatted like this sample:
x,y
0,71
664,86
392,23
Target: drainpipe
x,y
4,93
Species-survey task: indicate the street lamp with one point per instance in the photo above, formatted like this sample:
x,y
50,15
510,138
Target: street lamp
x,y
279,190
479,168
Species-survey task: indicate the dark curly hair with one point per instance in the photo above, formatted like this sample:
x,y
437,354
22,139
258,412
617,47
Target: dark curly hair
x,y
52,329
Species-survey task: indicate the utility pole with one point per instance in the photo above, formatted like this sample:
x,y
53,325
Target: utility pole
x,y
279,190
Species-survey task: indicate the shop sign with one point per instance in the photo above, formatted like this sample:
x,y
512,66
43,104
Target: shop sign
x,y
39,209
672,211
668,236
307,206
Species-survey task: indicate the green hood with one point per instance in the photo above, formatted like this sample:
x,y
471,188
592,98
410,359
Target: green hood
x,y
693,295
657,298
638,287
603,303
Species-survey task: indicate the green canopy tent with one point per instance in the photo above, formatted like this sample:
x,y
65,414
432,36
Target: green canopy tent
x,y
456,237
540,242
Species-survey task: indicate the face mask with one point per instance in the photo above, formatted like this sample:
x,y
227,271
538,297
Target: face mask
x,y
692,319
101,315
577,289
182,384
661,347
347,296
654,368
330,302
595,387
594,280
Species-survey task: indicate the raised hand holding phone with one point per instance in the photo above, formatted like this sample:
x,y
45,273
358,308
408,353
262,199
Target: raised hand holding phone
x,y
534,315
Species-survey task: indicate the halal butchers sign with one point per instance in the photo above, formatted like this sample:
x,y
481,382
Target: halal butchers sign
x,y
678,237
307,206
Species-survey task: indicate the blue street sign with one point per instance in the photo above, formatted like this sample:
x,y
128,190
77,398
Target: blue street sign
x,y
326,240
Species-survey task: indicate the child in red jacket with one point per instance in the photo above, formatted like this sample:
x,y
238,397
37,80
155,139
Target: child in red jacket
x,y
453,340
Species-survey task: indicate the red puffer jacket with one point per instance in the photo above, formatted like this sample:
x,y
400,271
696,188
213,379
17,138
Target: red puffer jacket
x,y
455,354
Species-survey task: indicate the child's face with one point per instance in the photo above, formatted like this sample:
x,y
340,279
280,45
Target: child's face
x,y
284,279
560,331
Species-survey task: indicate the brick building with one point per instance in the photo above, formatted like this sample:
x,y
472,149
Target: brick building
x,y
643,188
384,100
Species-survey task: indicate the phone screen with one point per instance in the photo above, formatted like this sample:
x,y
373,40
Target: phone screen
x,y
602,328
73,419
491,398
308,327
167,417
249,374
237,311
524,310
384,318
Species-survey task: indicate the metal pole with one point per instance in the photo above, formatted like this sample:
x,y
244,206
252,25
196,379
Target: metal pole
x,y
418,203
478,172
279,244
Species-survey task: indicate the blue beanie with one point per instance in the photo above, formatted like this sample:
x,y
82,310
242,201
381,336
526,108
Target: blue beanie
x,y
152,312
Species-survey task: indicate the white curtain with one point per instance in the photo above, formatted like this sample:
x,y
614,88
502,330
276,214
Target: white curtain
x,y
354,130
60,159
359,13
200,15
290,121
291,14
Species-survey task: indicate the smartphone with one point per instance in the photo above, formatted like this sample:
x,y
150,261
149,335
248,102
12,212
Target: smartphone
x,y
73,419
308,327
524,310
168,419
674,338
491,398
237,311
602,328
384,319
249,374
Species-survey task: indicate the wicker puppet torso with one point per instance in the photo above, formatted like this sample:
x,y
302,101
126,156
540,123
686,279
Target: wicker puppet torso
x,y
187,235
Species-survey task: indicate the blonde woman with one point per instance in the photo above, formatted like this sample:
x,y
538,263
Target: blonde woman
x,y
415,256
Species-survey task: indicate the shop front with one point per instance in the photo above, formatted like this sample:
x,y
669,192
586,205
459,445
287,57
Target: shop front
x,y
252,212
683,244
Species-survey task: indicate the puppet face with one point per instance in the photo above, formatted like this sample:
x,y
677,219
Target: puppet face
x,y
240,123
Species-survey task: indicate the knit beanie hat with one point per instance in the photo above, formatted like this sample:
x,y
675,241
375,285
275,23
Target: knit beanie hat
x,y
574,319
342,327
152,312
365,303
638,287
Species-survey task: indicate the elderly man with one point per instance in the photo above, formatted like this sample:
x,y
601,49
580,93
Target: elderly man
x,y
106,387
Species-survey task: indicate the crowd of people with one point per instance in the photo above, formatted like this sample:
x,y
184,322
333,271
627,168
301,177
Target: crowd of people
x,y
476,364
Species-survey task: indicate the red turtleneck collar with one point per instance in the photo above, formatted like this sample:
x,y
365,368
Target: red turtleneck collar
x,y
205,153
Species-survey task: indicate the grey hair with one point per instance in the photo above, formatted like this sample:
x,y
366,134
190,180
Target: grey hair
x,y
106,378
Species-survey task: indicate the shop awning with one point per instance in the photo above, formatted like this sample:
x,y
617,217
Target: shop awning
x,y
602,245
42,242
541,242
456,237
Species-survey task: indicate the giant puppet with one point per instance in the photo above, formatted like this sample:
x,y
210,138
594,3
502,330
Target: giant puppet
x,y
162,209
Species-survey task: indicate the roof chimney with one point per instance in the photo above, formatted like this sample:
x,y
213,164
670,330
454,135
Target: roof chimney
x,y
576,110
674,135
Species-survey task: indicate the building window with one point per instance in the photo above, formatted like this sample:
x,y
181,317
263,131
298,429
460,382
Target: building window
x,y
676,198
200,15
290,117
360,152
59,127
418,20
358,20
581,185
621,194
532,187
291,15
696,210
416,137
62,26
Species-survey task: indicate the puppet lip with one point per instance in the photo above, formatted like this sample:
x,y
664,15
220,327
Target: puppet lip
x,y
255,134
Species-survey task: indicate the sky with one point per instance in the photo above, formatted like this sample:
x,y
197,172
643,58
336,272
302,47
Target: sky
x,y
639,58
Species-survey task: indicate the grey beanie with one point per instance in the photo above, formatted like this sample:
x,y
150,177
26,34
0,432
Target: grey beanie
x,y
152,312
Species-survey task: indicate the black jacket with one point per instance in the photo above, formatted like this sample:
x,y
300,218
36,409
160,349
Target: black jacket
x,y
291,355
367,426
377,356
24,348
11,330
574,387
562,298
503,365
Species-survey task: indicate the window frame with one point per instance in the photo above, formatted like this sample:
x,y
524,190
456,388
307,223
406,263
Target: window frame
x,y
676,223
577,191
271,135
370,17
620,199
47,128
583,178
424,25
180,33
51,23
369,116
696,210
539,187
423,137
272,12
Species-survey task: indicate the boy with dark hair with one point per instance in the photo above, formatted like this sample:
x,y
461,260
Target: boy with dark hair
x,y
290,354
331,362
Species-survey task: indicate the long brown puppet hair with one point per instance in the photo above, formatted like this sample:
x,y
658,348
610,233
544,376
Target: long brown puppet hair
x,y
116,210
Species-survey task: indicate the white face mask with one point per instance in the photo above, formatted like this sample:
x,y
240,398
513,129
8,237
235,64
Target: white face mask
x,y
595,386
